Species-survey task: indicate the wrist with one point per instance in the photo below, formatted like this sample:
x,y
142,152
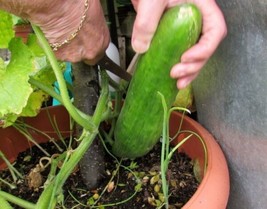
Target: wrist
x,y
91,41
75,31
60,19
57,18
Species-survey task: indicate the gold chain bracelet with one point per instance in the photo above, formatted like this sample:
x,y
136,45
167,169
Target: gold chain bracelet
x,y
56,45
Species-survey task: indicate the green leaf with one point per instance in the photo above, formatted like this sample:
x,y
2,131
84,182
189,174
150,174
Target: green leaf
x,y
34,46
133,165
34,104
138,187
46,74
6,29
43,69
90,201
17,96
14,87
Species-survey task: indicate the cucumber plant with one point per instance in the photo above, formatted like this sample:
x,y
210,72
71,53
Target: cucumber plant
x,y
52,193
139,124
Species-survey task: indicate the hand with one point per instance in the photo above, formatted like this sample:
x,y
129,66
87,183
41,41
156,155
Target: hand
x,y
213,31
93,38
58,19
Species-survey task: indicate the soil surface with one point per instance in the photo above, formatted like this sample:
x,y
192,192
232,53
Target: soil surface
x,y
119,188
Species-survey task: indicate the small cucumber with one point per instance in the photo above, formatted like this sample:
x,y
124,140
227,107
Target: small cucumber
x,y
139,125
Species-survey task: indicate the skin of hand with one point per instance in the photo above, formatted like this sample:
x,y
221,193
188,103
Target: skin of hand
x,y
58,19
213,32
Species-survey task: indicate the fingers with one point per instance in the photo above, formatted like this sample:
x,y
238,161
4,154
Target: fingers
x,y
213,32
184,69
186,72
185,81
145,25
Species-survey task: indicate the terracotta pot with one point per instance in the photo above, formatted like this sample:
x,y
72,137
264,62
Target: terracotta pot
x,y
23,31
213,191
12,142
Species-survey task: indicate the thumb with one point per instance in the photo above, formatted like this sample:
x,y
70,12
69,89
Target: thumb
x,y
146,22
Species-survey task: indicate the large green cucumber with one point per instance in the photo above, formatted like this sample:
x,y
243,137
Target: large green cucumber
x,y
139,125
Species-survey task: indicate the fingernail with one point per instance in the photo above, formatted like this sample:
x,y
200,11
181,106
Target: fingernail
x,y
186,59
183,83
177,71
140,46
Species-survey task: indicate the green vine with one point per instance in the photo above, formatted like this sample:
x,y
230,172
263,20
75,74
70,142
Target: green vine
x,y
87,124
166,153
52,193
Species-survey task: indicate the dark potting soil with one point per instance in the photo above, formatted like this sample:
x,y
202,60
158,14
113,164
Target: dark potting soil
x,y
182,183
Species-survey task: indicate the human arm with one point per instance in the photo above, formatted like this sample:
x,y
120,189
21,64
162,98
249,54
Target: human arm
x,y
58,19
213,31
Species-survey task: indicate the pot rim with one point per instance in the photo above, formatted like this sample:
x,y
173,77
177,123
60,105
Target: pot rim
x,y
213,191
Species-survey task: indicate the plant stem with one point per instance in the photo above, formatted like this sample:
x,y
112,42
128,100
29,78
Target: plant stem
x,y
55,95
87,137
11,168
26,126
49,90
137,187
103,99
11,186
54,125
25,133
48,197
166,154
204,147
107,137
164,150
87,124
20,202
5,204
176,147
